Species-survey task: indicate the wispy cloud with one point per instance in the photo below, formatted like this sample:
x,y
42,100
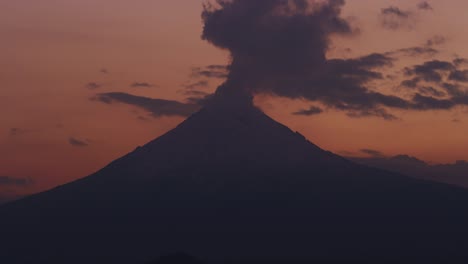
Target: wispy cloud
x,y
313,110
93,85
77,142
142,85
13,181
157,107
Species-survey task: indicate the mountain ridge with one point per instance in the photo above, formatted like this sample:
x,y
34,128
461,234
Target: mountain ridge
x,y
230,183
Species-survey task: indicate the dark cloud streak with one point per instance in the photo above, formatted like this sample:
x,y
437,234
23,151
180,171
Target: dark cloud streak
x,y
313,110
12,181
93,85
210,71
157,107
142,85
372,152
77,143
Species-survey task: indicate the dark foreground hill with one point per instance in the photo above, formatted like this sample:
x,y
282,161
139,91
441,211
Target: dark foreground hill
x,y
232,185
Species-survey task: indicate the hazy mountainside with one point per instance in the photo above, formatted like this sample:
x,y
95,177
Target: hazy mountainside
x,y
231,184
456,173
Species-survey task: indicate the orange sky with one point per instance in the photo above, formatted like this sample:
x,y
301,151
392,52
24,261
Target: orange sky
x,y
50,50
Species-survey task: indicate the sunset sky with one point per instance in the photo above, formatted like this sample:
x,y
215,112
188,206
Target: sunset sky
x,y
57,58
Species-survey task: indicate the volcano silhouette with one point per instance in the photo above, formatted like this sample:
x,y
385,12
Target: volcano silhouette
x,y
231,185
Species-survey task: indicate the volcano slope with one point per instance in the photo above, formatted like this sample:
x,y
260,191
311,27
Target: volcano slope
x,y
230,184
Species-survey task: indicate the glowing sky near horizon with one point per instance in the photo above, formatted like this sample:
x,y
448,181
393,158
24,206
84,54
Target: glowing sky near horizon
x,y
51,51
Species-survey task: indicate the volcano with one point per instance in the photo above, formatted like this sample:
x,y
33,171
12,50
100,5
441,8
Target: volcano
x,y
231,185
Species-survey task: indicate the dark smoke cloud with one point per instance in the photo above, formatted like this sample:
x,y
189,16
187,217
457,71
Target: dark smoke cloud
x,y
279,47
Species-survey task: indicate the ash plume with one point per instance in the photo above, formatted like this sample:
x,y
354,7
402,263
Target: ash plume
x,y
279,47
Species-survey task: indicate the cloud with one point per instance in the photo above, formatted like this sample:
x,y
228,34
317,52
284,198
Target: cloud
x,y
93,85
431,103
372,152
394,18
16,131
12,181
411,83
460,61
313,110
436,41
77,143
142,85
427,49
459,76
377,112
210,71
431,91
195,85
217,67
196,93
454,89
447,79
157,107
395,11
419,51
430,71
424,5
